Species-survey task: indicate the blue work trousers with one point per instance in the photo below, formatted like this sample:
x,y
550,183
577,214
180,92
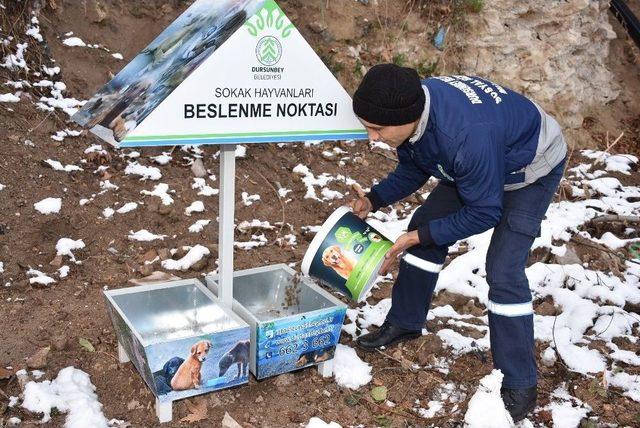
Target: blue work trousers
x,y
510,305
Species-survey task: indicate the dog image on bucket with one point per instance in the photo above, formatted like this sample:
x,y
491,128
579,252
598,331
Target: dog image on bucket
x,y
339,260
346,254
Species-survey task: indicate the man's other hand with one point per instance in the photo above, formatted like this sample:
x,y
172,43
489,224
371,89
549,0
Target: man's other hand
x,y
361,206
403,243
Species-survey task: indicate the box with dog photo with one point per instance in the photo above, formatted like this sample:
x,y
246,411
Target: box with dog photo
x,y
181,340
294,323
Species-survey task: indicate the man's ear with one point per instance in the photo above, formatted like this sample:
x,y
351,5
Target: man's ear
x,y
194,349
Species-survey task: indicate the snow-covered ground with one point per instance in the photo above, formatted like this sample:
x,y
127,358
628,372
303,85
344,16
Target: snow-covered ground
x,y
591,303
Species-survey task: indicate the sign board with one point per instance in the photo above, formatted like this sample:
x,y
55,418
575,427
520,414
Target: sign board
x,y
225,72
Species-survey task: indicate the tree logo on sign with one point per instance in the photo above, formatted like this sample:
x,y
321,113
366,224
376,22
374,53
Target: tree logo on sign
x,y
269,50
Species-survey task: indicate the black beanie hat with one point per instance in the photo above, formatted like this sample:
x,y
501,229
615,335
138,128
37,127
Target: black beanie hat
x,y
389,95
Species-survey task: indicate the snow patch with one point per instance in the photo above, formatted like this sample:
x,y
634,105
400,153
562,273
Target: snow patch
x,y
9,98
48,206
248,199
57,166
348,369
73,42
161,191
487,401
128,207
145,236
194,255
39,277
198,226
65,246
71,392
195,207
146,172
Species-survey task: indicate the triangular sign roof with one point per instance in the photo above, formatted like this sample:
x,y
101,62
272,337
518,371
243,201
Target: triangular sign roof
x,y
224,72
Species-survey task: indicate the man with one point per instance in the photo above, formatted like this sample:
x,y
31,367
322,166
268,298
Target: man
x,y
499,158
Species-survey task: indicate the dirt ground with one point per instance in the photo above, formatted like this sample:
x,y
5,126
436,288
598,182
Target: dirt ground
x,y
60,314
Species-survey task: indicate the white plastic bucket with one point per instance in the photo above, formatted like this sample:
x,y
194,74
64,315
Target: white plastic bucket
x,y
346,254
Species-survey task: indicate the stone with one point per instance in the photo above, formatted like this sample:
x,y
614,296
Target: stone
x,y
59,342
432,345
198,169
98,11
317,27
146,269
546,309
57,261
200,264
471,308
155,278
229,422
570,256
284,380
535,47
149,256
164,254
39,359
165,209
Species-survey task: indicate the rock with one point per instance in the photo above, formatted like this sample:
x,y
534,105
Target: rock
x,y
164,254
134,405
155,277
444,298
198,169
165,209
570,256
180,253
284,380
39,359
23,378
432,345
259,399
229,422
200,264
97,12
514,51
5,374
153,205
59,342
546,308
146,269
471,308
149,256
317,27
56,262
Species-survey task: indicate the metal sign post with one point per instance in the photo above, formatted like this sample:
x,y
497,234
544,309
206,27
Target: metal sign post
x,y
226,222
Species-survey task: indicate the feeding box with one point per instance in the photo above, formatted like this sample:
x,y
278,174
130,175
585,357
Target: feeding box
x,y
294,323
180,338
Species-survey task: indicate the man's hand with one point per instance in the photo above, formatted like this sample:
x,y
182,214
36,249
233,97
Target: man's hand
x,y
361,206
403,243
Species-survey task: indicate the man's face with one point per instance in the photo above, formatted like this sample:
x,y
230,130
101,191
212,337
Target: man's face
x,y
391,135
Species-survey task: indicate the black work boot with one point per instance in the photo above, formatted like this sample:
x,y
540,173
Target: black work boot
x,y
386,335
519,402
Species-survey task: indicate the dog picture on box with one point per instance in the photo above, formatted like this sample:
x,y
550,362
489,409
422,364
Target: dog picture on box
x,y
199,364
